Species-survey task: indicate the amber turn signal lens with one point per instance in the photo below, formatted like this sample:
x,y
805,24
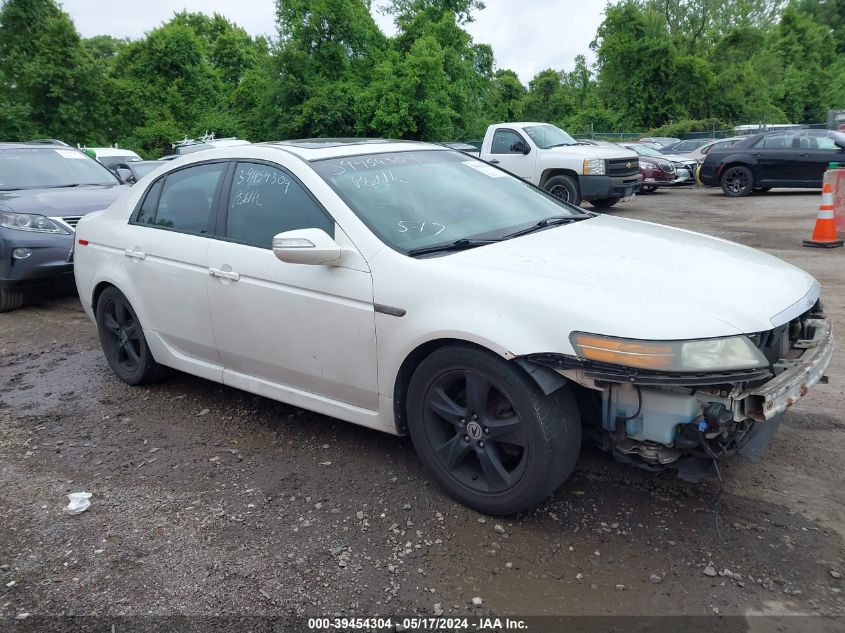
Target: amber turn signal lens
x,y
628,353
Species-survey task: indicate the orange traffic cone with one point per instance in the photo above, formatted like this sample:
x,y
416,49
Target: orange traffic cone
x,y
824,233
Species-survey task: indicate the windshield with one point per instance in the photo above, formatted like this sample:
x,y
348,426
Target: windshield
x,y
546,136
413,200
143,169
40,167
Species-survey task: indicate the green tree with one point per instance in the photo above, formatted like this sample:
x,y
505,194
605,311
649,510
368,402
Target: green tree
x,y
47,76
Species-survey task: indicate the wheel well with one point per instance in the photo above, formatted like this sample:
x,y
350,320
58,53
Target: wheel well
x,y
98,290
551,173
547,379
734,163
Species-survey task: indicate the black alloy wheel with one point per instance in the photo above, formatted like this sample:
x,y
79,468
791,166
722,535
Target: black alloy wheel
x,y
123,342
487,432
477,436
737,181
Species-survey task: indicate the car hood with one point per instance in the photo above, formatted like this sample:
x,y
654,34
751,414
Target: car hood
x,y
61,202
593,151
636,279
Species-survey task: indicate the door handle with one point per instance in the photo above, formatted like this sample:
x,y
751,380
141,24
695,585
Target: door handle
x,y
224,274
135,254
495,161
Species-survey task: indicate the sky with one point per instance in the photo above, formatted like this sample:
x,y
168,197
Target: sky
x,y
527,36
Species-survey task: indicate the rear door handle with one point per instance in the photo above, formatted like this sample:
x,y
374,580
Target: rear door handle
x,y
135,254
494,161
225,274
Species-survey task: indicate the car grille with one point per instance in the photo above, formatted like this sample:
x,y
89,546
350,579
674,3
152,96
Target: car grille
x,y
623,167
72,220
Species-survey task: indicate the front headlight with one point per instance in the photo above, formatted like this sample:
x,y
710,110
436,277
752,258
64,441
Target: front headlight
x,y
647,165
594,167
714,354
29,222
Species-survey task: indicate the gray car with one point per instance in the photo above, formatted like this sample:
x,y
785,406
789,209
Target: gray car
x,y
45,188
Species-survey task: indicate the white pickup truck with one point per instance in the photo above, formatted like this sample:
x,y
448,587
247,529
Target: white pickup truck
x,y
548,157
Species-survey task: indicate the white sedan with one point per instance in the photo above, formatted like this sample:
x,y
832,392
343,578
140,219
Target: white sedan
x,y
411,288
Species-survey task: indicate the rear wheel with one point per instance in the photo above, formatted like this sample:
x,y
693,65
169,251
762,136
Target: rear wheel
x,y
123,341
604,203
492,439
565,188
737,181
10,300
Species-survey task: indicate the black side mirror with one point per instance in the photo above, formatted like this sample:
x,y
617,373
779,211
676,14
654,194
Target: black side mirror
x,y
518,147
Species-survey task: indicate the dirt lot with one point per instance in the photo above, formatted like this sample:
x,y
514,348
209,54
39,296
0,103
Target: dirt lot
x,y
207,500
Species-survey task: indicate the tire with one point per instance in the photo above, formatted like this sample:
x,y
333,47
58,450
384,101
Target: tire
x,y
604,203
501,451
10,300
648,188
737,181
762,189
564,188
123,341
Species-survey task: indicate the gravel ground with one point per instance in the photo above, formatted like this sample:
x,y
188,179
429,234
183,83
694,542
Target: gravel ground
x,y
207,500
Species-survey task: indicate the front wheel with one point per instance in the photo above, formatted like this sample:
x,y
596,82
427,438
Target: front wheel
x,y
565,188
10,300
604,203
123,341
737,181
489,435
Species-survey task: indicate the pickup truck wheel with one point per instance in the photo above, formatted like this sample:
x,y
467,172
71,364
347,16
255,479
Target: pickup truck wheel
x,y
565,188
123,341
489,435
604,203
10,300
737,181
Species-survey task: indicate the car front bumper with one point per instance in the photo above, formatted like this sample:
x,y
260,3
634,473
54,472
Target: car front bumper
x,y
600,187
688,422
51,259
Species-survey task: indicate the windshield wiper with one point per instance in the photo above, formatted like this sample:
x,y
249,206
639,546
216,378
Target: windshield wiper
x,y
554,220
458,245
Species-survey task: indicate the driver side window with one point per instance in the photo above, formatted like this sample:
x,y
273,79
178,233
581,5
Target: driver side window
x,y
265,201
503,140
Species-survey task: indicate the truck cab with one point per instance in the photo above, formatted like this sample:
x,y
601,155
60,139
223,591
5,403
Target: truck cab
x,y
548,157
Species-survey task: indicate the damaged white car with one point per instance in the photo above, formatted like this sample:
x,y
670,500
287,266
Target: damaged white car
x,y
414,289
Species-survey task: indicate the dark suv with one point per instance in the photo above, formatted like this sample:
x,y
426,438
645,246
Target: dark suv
x,y
790,158
45,187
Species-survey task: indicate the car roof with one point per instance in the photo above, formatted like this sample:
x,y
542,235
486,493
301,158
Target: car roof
x,y
35,145
320,148
111,151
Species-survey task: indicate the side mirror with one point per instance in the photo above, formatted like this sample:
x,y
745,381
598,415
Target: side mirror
x,y
520,147
307,246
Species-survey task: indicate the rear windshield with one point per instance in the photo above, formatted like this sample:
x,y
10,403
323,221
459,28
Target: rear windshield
x,y
41,167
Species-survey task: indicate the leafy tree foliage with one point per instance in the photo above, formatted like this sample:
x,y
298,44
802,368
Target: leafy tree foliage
x,y
674,65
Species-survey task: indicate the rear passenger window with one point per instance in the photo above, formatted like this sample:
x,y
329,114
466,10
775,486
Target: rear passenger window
x,y
265,201
183,200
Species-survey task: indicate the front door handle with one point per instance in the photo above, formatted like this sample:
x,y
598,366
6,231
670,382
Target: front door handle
x,y
225,274
495,161
135,254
